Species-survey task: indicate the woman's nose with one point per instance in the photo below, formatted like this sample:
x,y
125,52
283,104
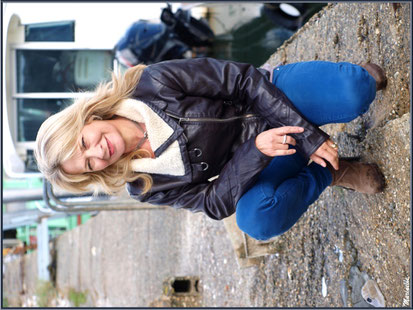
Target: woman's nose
x,y
96,151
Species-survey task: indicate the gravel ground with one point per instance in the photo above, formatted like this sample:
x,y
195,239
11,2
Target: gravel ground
x,y
343,228
122,258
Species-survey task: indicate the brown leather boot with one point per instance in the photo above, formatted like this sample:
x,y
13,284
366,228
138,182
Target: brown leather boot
x,y
377,73
363,178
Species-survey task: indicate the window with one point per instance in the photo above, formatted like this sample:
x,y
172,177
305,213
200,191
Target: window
x,y
57,31
61,70
48,79
31,113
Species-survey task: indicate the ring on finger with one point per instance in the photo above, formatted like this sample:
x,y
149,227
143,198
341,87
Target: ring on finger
x,y
285,139
334,146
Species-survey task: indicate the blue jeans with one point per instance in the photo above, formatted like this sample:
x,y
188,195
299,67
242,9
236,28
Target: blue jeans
x,y
324,92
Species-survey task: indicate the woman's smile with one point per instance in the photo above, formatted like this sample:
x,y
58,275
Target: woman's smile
x,y
110,147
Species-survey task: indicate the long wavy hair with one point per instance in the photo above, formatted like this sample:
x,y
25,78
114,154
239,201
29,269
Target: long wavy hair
x,y
57,138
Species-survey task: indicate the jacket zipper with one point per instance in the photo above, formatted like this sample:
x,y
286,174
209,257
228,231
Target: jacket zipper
x,y
207,119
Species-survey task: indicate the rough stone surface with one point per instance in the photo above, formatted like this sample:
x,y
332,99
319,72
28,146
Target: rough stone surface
x,y
122,258
371,231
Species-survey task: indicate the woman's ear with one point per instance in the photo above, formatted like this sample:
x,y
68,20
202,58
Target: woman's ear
x,y
93,118
96,118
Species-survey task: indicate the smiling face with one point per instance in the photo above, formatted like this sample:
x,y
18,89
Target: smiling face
x,y
100,144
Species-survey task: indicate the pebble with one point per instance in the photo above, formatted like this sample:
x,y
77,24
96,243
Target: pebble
x,y
339,252
372,295
324,287
340,257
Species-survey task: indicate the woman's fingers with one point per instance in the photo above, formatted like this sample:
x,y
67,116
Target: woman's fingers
x,y
332,150
276,141
318,160
279,152
331,147
326,153
332,159
287,140
284,152
281,134
287,130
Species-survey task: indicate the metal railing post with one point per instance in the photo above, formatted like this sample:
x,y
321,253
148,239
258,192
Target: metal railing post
x,y
93,205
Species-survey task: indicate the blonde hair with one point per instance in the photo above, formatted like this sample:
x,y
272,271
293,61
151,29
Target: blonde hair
x,y
57,138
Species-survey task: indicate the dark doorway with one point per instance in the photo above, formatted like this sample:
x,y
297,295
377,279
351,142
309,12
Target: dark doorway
x,y
182,286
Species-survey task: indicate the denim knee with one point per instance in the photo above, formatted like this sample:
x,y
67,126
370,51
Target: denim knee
x,y
262,222
359,91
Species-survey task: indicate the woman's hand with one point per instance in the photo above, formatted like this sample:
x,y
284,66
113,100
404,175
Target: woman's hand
x,y
273,143
328,152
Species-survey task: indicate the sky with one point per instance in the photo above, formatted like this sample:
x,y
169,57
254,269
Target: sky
x,y
106,22
37,11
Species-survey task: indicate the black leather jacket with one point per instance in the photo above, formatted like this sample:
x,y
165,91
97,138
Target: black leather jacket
x,y
216,108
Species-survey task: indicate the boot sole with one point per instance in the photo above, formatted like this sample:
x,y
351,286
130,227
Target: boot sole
x,y
379,177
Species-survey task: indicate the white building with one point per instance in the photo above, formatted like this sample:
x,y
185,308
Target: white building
x,y
51,51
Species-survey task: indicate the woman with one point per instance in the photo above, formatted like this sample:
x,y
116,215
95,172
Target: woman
x,y
215,136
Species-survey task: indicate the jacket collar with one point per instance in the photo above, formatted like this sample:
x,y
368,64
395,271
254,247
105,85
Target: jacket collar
x,y
132,109
162,131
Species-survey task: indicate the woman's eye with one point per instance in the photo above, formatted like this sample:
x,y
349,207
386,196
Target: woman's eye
x,y
83,143
89,166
